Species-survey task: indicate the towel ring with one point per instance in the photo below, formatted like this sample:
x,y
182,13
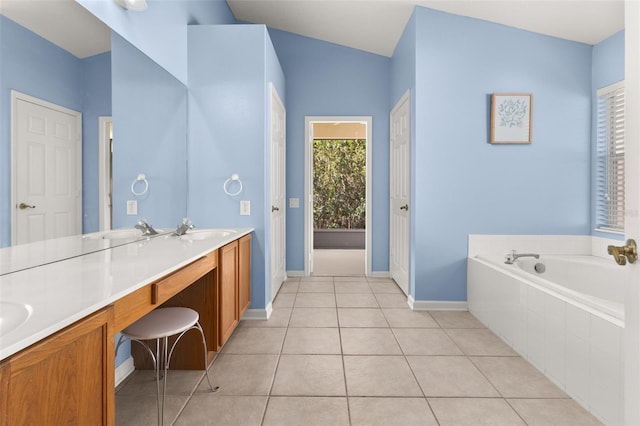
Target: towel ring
x,y
234,178
141,178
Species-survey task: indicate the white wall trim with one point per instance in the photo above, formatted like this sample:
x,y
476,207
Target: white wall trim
x,y
258,314
380,274
295,273
124,370
436,305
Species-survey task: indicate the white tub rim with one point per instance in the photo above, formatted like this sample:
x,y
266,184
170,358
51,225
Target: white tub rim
x,y
605,309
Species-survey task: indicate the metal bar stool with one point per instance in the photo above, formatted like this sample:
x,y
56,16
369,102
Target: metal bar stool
x,y
159,325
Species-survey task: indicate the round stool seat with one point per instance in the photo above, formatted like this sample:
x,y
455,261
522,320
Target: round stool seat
x,y
162,323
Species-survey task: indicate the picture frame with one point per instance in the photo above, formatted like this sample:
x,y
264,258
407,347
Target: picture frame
x,y
511,115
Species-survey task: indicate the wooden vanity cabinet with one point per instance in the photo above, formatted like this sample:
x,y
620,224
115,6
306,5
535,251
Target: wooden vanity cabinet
x,y
234,290
66,378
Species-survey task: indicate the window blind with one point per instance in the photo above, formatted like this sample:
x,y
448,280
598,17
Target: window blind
x,y
610,159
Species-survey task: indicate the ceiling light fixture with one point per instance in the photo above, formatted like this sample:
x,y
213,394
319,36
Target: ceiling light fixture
x,y
137,5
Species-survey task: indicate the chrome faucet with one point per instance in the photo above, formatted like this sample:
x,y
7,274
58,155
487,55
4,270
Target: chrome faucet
x,y
513,256
184,227
145,228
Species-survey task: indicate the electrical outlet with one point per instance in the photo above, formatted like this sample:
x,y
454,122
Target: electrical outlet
x,y
245,208
294,203
132,207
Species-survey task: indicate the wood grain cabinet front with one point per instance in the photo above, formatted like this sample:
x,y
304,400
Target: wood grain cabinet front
x,y
66,378
244,275
227,291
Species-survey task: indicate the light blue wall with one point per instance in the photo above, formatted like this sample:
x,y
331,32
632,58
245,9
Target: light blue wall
x,y
607,67
464,185
36,67
96,101
229,68
161,31
324,79
149,136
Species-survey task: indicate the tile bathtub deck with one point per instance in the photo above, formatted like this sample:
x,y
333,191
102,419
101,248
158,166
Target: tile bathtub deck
x,y
349,351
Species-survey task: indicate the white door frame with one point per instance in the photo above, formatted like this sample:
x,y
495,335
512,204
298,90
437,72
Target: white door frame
x,y
632,211
18,96
308,185
104,165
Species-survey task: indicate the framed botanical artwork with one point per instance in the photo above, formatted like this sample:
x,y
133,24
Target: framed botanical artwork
x,y
511,118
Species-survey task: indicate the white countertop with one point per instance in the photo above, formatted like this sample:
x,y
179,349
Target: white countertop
x,y
65,291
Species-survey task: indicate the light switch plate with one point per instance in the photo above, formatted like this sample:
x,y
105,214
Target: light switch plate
x,y
245,208
294,203
132,207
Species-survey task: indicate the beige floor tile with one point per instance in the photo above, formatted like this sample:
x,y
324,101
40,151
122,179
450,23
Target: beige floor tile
x,y
480,341
289,287
179,382
425,341
315,300
279,318
369,341
351,300
456,319
401,318
380,376
223,410
307,411
316,287
384,286
314,317
474,412
143,410
284,300
387,300
316,279
450,376
248,340
514,377
361,317
352,287
552,412
390,412
356,279
309,375
312,341
247,375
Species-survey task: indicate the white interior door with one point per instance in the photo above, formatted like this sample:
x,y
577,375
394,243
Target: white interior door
x,y
278,207
632,209
399,191
46,170
105,153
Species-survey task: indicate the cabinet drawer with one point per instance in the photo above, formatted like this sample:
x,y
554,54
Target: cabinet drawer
x,y
166,288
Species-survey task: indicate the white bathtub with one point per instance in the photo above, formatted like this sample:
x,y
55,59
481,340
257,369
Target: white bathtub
x,y
567,321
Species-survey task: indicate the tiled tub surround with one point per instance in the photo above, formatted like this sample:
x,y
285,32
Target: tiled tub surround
x,y
575,339
64,292
346,351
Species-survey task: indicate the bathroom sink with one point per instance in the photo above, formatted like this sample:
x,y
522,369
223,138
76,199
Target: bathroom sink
x,y
13,315
121,234
205,234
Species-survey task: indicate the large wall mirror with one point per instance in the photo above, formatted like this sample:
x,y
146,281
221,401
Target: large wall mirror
x,y
147,106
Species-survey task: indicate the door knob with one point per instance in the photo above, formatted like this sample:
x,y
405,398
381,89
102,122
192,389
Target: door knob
x,y
630,250
23,206
274,209
405,207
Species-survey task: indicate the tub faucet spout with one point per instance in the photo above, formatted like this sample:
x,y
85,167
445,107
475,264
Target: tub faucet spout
x,y
513,256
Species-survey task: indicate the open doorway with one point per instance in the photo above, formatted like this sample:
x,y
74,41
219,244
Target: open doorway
x,y
338,196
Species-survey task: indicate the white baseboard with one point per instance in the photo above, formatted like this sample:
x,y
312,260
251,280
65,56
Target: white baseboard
x,y
436,305
380,274
295,273
124,370
258,314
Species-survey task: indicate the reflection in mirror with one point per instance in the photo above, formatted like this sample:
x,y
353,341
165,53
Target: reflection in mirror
x,y
81,80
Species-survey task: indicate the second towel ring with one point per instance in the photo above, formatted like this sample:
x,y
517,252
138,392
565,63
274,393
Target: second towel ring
x,y
234,178
141,178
